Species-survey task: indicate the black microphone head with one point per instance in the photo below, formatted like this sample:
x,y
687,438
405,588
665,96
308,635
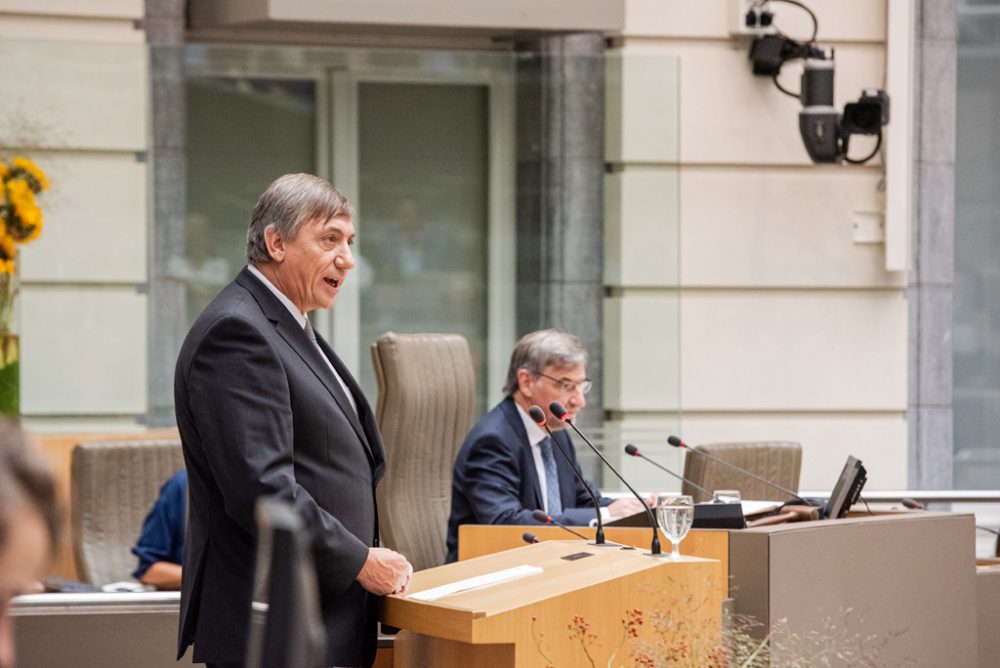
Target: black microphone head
x,y
538,415
632,450
540,516
912,504
558,410
676,442
529,537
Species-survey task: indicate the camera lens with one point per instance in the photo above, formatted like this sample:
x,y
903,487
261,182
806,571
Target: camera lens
x,y
863,118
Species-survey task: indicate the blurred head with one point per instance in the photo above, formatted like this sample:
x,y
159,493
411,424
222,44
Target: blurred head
x,y
29,524
549,365
300,236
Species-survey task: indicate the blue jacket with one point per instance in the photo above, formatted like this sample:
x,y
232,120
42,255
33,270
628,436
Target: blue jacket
x,y
162,537
495,480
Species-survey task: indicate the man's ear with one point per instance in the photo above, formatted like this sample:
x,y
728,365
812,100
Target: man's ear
x,y
275,244
524,378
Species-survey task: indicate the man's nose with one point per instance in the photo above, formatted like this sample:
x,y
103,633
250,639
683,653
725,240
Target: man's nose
x,y
345,259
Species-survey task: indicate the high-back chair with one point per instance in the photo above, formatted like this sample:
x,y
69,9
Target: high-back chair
x,y
113,486
425,408
777,461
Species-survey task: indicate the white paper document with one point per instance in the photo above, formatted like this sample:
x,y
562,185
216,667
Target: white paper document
x,y
484,580
757,507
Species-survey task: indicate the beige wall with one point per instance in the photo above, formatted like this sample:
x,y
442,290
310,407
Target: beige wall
x,y
767,320
78,72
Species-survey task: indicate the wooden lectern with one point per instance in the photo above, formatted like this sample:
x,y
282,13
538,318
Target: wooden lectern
x,y
588,600
478,539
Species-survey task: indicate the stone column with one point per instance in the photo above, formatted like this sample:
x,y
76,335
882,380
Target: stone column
x,y
930,415
560,175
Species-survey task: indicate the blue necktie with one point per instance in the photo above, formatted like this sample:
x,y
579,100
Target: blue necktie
x,y
551,478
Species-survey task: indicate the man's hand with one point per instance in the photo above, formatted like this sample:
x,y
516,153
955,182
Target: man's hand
x,y
385,572
624,507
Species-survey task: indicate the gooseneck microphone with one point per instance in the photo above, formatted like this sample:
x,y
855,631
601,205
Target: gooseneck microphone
x,y
538,415
529,537
540,516
634,451
560,412
678,443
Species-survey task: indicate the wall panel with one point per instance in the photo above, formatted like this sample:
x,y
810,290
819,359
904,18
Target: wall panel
x,y
95,220
793,350
83,351
780,227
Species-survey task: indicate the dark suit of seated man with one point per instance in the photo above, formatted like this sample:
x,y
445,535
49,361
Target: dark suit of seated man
x,y
507,468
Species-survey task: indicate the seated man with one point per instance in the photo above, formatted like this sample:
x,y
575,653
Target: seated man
x,y
507,466
161,546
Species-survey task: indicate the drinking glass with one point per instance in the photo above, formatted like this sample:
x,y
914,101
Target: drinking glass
x,y
675,513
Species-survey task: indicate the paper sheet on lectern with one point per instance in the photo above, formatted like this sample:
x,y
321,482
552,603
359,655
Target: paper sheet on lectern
x,y
484,580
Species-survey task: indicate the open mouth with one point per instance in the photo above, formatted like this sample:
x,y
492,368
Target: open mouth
x,y
332,282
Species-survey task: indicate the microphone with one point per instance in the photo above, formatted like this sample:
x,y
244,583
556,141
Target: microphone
x,y
634,451
538,415
529,537
560,412
540,516
678,443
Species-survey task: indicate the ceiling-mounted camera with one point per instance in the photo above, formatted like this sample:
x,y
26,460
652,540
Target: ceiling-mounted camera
x,y
825,132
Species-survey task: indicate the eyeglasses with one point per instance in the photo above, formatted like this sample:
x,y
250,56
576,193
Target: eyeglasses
x,y
569,386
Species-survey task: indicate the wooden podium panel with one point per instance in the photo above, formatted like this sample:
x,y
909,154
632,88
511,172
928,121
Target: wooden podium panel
x,y
547,618
475,540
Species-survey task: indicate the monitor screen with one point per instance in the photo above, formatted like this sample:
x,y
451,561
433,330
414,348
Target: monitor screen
x,y
847,490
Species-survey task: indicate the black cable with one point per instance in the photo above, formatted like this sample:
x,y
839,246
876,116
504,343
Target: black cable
x,y
815,21
784,90
878,147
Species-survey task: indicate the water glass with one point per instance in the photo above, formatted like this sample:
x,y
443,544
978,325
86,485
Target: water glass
x,y
675,513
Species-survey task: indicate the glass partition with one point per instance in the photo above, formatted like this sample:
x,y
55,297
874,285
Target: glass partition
x,y
976,344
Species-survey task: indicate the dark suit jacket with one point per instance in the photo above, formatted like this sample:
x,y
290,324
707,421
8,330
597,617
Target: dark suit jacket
x,y
260,414
495,480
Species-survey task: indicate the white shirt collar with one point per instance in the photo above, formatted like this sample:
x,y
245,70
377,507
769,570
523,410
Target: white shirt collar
x,y
535,433
292,308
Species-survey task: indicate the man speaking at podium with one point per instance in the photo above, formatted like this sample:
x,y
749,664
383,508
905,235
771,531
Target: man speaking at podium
x,y
265,407
507,466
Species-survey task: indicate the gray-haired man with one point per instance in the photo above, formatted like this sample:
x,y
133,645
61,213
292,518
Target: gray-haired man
x,y
508,467
265,407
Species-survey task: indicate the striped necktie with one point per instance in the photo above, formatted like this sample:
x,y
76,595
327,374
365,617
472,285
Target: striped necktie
x,y
551,478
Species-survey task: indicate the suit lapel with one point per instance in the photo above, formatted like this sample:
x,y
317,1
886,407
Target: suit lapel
x,y
289,330
528,470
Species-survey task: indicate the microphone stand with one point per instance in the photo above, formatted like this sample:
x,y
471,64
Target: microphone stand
x,y
560,412
538,415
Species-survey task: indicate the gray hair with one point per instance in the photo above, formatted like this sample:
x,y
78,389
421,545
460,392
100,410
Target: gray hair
x,y
288,202
537,350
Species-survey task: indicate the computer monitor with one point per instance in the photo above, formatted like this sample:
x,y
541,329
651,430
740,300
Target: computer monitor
x,y
847,490
286,629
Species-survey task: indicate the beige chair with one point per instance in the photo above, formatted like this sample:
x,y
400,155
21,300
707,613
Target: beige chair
x,y
113,485
777,461
425,408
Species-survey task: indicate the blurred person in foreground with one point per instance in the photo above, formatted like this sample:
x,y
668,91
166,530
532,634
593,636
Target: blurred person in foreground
x,y
266,408
507,466
29,525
